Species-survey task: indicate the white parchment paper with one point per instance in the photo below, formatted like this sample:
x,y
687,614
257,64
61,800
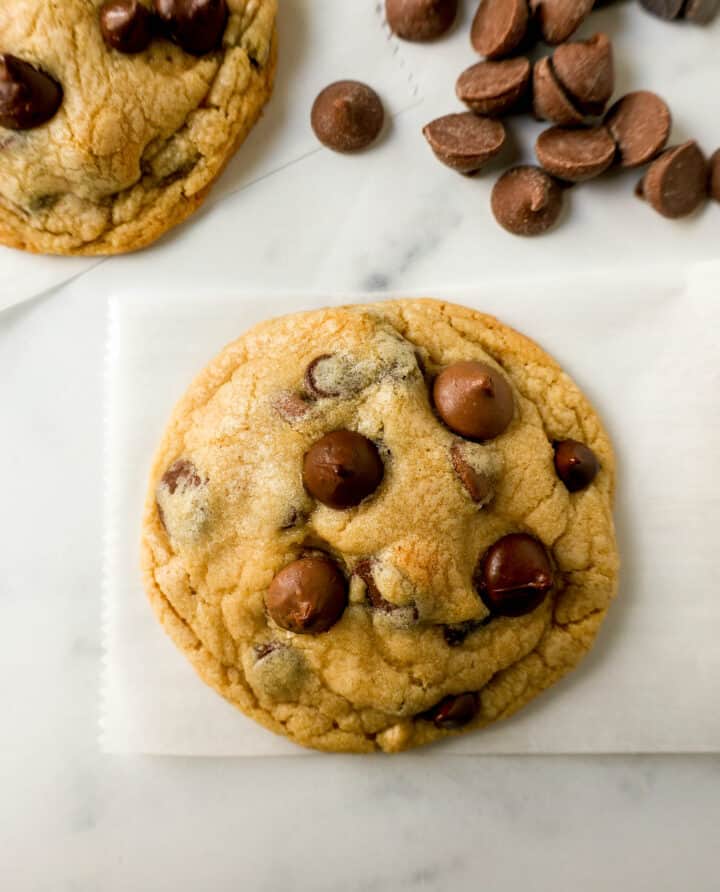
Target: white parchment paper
x,y
644,348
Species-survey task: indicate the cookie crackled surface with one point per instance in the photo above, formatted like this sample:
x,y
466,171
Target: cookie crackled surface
x,y
372,527
146,120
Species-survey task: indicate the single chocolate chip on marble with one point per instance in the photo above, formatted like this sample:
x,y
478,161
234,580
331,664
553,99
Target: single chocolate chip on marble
x,y
474,400
181,474
477,484
466,141
702,12
527,201
195,25
559,19
126,25
640,124
453,712
308,596
675,184
499,27
342,468
514,575
420,19
28,96
493,88
575,155
576,464
586,71
347,116
550,101
714,181
664,9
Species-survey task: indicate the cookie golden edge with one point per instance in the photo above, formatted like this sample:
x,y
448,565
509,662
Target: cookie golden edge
x,y
561,647
172,206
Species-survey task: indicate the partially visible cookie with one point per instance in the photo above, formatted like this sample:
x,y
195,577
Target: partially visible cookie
x,y
370,527
149,114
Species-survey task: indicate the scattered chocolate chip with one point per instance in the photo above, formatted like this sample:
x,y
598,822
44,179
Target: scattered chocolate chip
x,y
182,474
714,181
576,464
126,25
456,634
575,155
479,486
515,575
499,27
290,407
313,380
586,71
527,201
559,19
474,400
702,12
308,596
420,19
195,25
453,712
28,97
342,469
664,9
640,124
550,101
675,184
465,142
493,88
347,116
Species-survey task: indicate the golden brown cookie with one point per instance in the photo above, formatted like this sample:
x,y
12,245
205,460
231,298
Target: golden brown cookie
x,y
138,136
370,526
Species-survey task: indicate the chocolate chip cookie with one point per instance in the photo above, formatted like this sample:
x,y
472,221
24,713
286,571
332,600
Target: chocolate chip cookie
x,y
371,527
116,117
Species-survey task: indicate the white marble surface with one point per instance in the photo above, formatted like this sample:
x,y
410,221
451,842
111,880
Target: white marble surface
x,y
72,820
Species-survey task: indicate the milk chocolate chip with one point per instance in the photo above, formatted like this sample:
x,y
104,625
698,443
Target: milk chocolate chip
x,y
515,575
526,201
575,155
550,101
28,97
715,176
640,124
465,142
576,464
126,25
453,712
195,25
559,19
702,12
586,71
675,184
342,469
493,88
499,27
478,485
347,116
664,9
181,474
308,596
474,400
420,19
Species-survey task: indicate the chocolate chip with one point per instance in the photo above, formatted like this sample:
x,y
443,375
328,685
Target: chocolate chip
x,y
526,201
195,25
474,400
453,712
308,596
640,124
586,71
714,181
576,464
550,101
262,650
342,469
465,142
290,407
675,184
499,27
181,474
478,485
364,570
575,155
28,97
347,116
559,19
493,88
664,9
456,634
126,25
313,378
514,575
702,12
420,19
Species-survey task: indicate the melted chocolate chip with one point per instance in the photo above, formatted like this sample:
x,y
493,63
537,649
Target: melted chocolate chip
x,y
312,385
347,116
474,400
195,25
420,20
456,634
308,596
514,575
364,570
182,474
290,407
262,650
126,25
479,486
28,97
576,464
453,712
342,469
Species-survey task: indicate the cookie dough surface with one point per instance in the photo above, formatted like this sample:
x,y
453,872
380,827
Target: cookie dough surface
x,y
138,139
232,512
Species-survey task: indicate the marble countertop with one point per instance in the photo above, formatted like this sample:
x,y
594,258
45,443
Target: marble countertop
x,y
74,820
